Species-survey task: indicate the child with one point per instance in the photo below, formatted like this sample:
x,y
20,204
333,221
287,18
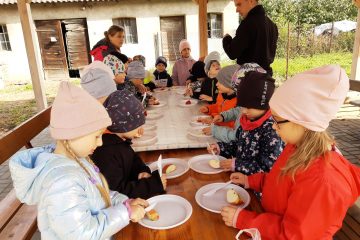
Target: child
x,y
98,80
113,41
257,145
195,80
228,134
209,90
183,65
122,167
311,186
226,99
162,78
72,196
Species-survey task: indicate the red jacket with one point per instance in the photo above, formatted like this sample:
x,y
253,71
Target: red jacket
x,y
220,106
312,207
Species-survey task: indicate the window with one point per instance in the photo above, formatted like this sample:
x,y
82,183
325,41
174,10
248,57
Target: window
x,y
215,25
4,39
129,25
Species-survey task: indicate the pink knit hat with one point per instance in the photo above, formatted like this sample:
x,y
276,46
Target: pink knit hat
x,y
312,98
75,113
184,44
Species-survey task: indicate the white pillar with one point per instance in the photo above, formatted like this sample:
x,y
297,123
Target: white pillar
x,y
355,68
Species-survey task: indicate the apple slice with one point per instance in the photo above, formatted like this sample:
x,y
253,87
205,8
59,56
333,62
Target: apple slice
x,y
152,215
169,168
233,197
214,163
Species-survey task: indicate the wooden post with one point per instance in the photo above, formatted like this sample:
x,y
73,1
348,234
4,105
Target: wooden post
x,y
355,68
203,28
287,51
34,62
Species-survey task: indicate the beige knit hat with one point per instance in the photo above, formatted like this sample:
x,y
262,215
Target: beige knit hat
x,y
75,113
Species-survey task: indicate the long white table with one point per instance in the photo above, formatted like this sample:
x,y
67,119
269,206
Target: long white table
x,y
172,128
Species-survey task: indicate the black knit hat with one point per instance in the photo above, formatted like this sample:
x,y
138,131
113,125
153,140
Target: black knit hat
x,y
120,56
161,60
125,110
255,90
198,70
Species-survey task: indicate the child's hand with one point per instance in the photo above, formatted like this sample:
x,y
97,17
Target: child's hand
x,y
139,202
137,213
228,214
207,120
215,148
142,89
164,181
226,164
207,131
189,92
204,109
205,97
238,178
218,118
144,175
120,78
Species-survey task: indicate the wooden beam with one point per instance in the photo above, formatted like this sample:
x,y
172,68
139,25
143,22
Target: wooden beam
x,y
355,85
355,67
33,59
203,28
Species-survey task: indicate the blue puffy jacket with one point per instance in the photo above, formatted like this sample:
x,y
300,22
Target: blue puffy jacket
x,y
69,205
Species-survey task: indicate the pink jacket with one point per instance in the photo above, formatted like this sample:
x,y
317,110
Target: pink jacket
x,y
181,70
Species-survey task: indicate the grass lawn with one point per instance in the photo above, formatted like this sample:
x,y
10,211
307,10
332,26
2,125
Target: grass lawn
x,y
301,64
17,103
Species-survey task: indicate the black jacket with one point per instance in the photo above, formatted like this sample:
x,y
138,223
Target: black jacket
x,y
121,167
163,75
255,40
208,87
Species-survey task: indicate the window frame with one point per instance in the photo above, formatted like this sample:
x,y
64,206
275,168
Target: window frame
x,y
211,34
131,37
4,39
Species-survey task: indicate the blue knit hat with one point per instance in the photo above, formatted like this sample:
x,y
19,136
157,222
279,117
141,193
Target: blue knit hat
x,y
125,110
136,70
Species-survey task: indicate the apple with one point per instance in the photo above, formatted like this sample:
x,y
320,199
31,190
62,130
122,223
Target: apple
x,y
169,168
214,163
152,215
233,197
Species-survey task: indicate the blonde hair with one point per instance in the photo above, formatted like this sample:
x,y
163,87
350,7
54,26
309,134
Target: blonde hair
x,y
312,146
103,187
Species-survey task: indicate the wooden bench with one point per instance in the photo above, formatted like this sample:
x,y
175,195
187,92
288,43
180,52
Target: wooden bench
x,y
17,220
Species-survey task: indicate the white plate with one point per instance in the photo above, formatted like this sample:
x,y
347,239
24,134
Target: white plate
x,y
154,115
181,167
158,90
182,102
162,104
147,139
149,127
200,164
195,123
197,132
173,211
181,91
216,202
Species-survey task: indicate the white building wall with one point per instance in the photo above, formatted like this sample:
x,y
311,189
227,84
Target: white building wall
x,y
99,18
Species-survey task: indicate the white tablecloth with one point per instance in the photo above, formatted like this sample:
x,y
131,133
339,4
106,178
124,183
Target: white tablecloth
x,y
172,128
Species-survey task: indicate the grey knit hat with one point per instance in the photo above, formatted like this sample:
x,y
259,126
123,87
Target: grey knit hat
x,y
212,57
125,110
225,75
98,82
136,70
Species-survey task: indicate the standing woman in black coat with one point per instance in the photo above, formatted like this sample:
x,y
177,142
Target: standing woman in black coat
x,y
256,37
